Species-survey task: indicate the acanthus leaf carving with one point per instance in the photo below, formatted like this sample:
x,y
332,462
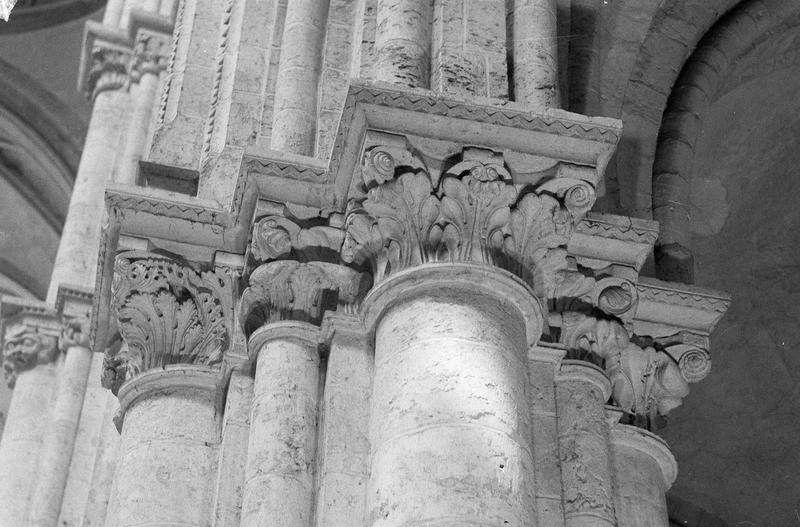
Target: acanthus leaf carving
x,y
646,383
473,213
109,68
476,202
291,290
167,313
150,53
536,234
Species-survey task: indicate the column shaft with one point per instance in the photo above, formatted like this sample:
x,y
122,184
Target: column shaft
x,y
450,424
581,391
343,458
22,439
101,476
644,469
469,48
59,439
279,479
403,42
233,451
113,12
77,252
543,362
143,95
94,456
294,127
170,435
532,24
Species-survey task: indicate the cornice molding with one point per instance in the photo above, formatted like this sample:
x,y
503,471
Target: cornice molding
x,y
289,290
666,308
516,115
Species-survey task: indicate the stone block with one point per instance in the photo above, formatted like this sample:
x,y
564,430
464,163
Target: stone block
x,y
546,455
341,499
549,512
338,46
542,386
459,73
251,75
485,29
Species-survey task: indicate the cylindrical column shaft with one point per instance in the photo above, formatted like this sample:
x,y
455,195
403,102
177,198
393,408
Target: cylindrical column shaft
x,y
59,438
534,52
166,471
94,458
113,12
294,127
581,392
403,42
22,439
343,452
279,478
644,469
233,450
143,95
450,423
77,252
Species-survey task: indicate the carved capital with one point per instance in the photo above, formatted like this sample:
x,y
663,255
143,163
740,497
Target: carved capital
x,y
290,290
167,312
150,53
472,213
113,56
74,333
690,350
646,383
108,69
276,237
30,336
74,306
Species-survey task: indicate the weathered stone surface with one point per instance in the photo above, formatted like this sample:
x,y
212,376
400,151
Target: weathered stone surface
x,y
281,454
462,455
644,469
437,397
170,438
167,313
588,488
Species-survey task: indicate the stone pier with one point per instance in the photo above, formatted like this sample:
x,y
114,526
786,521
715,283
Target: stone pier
x,y
323,300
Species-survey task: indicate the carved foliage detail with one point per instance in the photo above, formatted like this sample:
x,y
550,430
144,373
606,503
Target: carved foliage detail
x,y
167,313
150,53
473,213
109,68
290,290
646,383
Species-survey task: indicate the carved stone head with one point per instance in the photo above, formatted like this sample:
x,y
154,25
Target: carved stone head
x,y
23,348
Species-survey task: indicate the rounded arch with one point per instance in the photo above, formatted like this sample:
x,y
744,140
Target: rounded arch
x,y
40,145
700,81
37,14
675,29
